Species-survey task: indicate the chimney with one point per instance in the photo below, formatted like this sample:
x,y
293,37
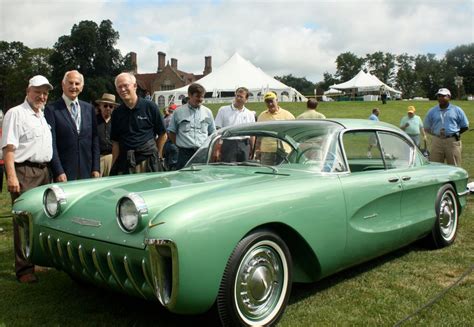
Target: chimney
x,y
174,63
207,65
161,61
133,59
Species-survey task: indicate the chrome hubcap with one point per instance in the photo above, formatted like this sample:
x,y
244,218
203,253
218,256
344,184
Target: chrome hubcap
x,y
261,283
448,216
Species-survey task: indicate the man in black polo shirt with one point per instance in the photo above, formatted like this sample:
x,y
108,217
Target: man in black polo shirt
x,y
138,133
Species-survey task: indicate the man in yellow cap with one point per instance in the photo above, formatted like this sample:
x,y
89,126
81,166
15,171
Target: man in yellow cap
x,y
413,126
268,146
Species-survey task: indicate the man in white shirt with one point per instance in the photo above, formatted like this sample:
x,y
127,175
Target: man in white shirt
x,y
235,114
27,149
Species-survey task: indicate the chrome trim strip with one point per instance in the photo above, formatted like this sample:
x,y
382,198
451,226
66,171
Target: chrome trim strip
x,y
130,276
60,251
145,273
97,264
466,192
41,242
71,255
82,259
86,222
50,248
112,270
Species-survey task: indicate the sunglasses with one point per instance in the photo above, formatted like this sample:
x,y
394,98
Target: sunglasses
x,y
106,105
269,101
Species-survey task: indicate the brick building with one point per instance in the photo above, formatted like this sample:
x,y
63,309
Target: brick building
x,y
167,76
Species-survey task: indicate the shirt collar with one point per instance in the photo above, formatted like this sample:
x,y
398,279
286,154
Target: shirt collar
x,y
31,111
69,101
193,108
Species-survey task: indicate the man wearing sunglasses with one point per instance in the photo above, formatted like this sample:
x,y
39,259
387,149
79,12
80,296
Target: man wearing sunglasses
x,y
106,105
446,122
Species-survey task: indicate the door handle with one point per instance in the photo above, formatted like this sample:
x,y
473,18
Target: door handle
x,y
393,179
406,178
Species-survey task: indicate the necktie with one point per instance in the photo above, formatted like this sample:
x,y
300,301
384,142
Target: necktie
x,y
75,113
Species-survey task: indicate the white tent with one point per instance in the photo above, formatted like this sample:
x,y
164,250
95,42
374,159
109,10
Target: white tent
x,y
234,73
365,82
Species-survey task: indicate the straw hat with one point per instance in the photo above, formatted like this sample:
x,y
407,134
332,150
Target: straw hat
x,y
107,98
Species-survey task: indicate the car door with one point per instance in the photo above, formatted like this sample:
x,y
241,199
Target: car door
x,y
373,197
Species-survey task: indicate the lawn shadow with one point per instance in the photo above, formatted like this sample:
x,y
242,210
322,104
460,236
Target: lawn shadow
x,y
301,291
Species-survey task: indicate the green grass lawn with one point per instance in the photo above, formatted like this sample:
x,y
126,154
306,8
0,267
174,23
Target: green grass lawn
x,y
378,293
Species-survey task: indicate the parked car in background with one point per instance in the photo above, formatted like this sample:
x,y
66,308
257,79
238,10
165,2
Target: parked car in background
x,y
240,233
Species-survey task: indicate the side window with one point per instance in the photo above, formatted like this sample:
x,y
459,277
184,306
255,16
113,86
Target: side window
x,y
397,152
363,151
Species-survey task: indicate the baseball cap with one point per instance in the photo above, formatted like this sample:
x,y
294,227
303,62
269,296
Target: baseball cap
x,y
39,80
172,107
411,109
269,96
443,91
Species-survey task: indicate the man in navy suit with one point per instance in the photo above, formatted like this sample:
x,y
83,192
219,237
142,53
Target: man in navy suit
x,y
73,124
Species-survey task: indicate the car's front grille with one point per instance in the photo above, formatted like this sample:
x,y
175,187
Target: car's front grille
x,y
121,268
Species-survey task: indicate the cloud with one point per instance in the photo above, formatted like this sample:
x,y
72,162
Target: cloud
x,y
281,37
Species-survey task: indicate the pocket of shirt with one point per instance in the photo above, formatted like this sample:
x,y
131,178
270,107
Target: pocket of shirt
x,y
204,126
184,126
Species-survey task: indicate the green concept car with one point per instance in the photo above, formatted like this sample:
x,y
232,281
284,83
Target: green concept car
x,y
308,199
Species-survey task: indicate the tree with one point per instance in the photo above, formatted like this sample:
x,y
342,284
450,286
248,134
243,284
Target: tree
x,y
433,74
299,83
89,49
325,84
18,64
381,65
461,58
347,66
406,76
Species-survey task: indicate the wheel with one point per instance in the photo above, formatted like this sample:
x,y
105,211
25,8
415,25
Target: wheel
x,y
256,284
447,217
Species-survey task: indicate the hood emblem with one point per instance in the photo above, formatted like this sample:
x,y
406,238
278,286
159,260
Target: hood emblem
x,y
86,222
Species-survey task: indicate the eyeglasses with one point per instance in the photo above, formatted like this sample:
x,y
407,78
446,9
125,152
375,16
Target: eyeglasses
x,y
106,105
269,101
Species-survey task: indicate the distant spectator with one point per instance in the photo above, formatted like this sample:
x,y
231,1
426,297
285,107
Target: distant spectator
x,y
268,146
170,150
375,114
311,112
106,105
184,100
413,126
446,122
237,149
147,96
191,124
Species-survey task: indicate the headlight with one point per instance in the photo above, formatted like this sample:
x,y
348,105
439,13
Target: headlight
x,y
130,210
53,198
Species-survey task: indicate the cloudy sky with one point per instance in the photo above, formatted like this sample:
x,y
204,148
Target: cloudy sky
x,y
280,36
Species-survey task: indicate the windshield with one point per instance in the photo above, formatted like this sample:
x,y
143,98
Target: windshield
x,y
314,148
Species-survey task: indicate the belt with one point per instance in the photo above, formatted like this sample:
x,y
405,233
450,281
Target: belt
x,y
31,164
445,136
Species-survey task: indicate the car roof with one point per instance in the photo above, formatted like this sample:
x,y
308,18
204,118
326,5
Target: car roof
x,y
292,127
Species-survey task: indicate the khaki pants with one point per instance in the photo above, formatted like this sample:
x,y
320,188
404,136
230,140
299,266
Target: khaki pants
x,y
446,149
105,165
28,177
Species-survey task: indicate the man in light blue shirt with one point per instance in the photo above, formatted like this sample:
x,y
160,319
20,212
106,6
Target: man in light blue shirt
x,y
446,122
413,126
375,114
191,124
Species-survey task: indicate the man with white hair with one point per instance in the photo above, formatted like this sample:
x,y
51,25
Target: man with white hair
x,y
76,153
27,149
138,132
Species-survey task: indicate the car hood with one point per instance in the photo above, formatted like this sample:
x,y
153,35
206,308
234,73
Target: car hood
x,y
90,208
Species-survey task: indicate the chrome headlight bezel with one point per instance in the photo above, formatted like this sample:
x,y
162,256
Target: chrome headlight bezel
x,y
53,195
140,209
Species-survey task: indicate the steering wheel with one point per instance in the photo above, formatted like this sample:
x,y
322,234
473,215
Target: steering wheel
x,y
304,152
